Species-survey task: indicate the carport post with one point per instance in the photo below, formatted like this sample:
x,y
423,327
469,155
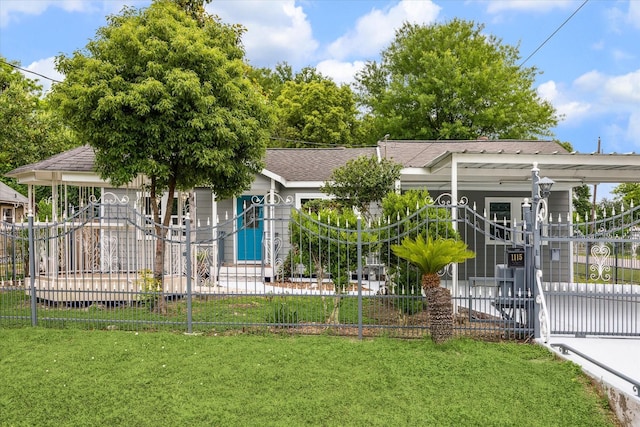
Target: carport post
x,y
187,227
32,271
359,255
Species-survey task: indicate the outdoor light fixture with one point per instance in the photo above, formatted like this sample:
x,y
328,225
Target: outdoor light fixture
x,y
544,186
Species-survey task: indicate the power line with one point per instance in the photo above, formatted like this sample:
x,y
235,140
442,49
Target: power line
x,y
29,71
554,33
319,144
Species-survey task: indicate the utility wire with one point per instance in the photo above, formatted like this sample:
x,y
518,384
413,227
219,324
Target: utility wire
x,y
29,71
554,33
320,144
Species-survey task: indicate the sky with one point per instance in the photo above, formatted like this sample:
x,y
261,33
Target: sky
x,y
587,52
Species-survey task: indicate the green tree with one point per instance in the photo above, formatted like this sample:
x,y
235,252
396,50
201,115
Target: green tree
x,y
161,94
410,214
326,241
362,182
582,203
31,130
628,193
452,81
312,108
272,81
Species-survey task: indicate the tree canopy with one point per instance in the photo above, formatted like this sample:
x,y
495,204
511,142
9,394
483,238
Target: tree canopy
x,y
363,181
160,93
451,81
30,131
628,193
310,108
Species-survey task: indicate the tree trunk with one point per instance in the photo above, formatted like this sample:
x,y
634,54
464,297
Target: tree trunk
x,y
160,304
439,308
334,319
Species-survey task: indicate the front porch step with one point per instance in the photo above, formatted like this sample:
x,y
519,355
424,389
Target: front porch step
x,y
245,273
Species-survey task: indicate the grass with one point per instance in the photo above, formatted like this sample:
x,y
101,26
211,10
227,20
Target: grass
x,y
91,378
229,311
619,275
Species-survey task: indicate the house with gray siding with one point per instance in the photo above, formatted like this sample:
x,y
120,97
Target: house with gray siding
x,y
493,176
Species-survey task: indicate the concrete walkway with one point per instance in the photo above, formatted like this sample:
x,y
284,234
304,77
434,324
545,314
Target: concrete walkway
x,y
620,354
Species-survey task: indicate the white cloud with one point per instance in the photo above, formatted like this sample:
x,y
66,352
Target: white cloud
x,y
611,94
499,6
548,91
590,81
45,67
570,110
633,15
340,72
621,55
623,89
376,29
632,133
10,10
614,100
276,30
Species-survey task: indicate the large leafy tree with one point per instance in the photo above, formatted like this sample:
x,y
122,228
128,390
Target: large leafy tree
x,y
628,193
452,81
30,131
164,92
272,80
310,108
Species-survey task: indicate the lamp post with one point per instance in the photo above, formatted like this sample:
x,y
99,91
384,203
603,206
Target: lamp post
x,y
540,190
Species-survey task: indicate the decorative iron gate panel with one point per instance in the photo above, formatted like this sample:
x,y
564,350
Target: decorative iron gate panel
x,y
592,275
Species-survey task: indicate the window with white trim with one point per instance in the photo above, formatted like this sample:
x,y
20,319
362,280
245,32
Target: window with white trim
x,y
302,198
176,214
504,212
7,215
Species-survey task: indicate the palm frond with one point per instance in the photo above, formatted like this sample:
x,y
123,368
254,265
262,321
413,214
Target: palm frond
x,y
430,255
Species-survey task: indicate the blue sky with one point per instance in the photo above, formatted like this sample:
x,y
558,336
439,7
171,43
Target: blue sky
x,y
590,67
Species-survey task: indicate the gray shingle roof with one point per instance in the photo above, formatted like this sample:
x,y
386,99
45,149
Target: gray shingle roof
x,y
317,164
9,195
311,164
79,159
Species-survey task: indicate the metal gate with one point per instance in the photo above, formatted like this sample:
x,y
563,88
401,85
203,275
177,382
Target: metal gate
x,y
316,270
592,274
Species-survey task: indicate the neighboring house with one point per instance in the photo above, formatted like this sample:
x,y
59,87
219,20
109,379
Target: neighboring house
x,y
12,204
492,175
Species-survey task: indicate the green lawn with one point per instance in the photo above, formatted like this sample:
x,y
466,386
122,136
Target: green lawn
x,y
111,378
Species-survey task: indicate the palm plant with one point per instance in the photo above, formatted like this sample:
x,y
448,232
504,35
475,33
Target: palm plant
x,y
430,256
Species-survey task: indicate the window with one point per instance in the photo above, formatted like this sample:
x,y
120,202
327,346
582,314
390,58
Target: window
x,y
176,214
251,217
7,215
502,215
302,198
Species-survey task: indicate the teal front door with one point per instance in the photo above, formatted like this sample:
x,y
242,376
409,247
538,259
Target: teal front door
x,y
250,225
